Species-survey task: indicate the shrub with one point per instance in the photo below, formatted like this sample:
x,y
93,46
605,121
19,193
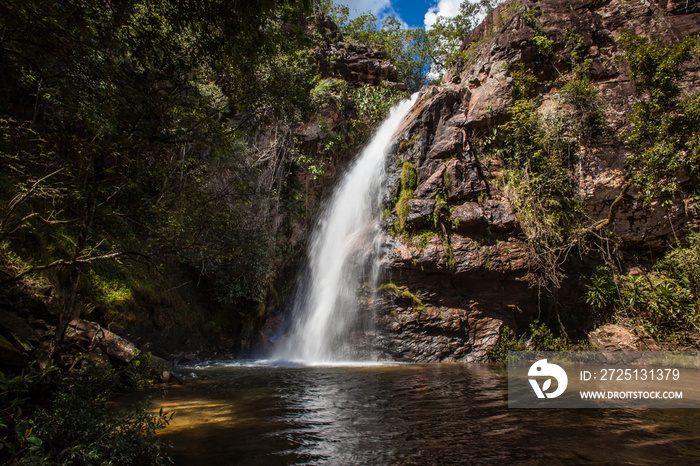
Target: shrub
x,y
544,46
602,290
371,104
58,417
328,90
540,185
663,300
421,239
665,132
538,338
587,114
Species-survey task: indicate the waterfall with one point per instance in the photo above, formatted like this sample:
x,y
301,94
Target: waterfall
x,y
343,255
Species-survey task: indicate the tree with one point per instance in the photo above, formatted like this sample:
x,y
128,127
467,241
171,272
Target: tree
x,y
416,53
117,118
447,34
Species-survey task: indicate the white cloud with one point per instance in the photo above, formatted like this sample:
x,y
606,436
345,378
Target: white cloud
x,y
446,8
379,8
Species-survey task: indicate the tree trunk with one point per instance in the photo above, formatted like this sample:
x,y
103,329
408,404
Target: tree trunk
x,y
67,312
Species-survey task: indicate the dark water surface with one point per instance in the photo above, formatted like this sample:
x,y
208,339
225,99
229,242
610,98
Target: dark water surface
x,y
403,414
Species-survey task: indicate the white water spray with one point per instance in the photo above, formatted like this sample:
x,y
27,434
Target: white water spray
x,y
342,246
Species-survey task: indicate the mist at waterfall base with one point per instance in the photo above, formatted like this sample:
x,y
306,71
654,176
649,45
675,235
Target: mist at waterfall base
x,y
326,323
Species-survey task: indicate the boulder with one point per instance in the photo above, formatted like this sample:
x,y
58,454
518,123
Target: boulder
x,y
419,212
490,101
448,143
462,180
500,216
468,217
612,337
433,185
437,333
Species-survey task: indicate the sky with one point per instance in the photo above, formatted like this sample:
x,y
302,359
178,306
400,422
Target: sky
x,y
414,13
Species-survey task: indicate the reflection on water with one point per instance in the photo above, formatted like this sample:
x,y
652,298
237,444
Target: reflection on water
x,y
403,414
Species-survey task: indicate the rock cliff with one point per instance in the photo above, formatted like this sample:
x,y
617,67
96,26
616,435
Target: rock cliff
x,y
356,63
472,269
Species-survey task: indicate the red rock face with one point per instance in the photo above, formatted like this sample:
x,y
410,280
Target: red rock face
x,y
355,63
463,280
472,275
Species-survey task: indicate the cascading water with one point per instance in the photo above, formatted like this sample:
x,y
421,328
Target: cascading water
x,y
342,256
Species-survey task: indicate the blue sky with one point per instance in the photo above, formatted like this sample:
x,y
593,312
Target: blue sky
x,y
415,13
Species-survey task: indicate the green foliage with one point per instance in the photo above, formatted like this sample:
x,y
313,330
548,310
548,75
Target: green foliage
x,y
406,145
659,298
373,103
440,216
538,338
682,264
410,51
449,251
408,48
587,116
539,148
390,287
421,239
507,341
542,338
402,212
524,81
447,34
134,112
446,179
663,300
290,102
440,211
544,45
542,42
415,52
540,185
409,183
339,14
657,66
53,417
370,105
409,177
665,133
404,294
531,17
328,90
602,291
